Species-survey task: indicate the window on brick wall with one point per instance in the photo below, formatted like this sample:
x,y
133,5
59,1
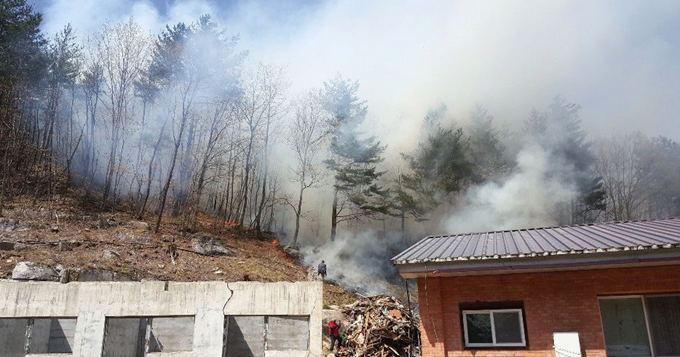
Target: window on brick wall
x,y
494,328
641,325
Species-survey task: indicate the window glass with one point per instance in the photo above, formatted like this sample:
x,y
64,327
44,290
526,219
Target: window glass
x,y
625,330
479,328
507,326
663,313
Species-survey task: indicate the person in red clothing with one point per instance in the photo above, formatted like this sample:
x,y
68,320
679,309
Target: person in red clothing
x,y
334,333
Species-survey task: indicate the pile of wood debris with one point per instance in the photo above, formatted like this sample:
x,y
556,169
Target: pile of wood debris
x,y
380,326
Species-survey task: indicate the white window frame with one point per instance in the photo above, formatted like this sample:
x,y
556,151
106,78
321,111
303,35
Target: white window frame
x,y
493,328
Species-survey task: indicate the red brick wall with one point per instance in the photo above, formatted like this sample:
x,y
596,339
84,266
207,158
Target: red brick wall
x,y
553,302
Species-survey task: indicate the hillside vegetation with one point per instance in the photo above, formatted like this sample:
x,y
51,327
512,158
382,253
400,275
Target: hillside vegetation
x,y
66,231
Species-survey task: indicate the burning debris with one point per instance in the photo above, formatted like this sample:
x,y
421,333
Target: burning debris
x,y
380,326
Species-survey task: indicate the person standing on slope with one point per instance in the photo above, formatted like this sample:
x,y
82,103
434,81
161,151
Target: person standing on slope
x,y
321,270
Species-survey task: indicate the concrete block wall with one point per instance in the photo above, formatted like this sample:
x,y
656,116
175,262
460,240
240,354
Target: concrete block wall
x,y
553,302
210,303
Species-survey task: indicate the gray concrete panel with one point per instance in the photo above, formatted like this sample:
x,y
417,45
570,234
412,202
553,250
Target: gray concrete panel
x,y
39,335
89,338
208,331
287,333
62,333
124,337
171,334
13,337
245,336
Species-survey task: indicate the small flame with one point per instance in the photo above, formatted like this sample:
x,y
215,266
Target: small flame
x,y
275,243
230,224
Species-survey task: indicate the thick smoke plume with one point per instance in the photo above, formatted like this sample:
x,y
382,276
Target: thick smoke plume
x,y
360,261
531,197
507,56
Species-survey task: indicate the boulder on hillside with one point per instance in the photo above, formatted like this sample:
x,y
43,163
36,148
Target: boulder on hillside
x,y
110,254
293,253
206,245
33,271
100,275
21,246
139,225
11,225
64,245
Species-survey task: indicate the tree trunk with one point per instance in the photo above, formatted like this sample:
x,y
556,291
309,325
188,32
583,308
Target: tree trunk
x,y
246,178
264,178
298,212
334,216
166,187
150,177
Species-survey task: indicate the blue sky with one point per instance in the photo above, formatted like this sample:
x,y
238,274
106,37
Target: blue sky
x,y
618,59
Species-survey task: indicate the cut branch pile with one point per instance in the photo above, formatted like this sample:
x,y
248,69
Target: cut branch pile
x,y
380,326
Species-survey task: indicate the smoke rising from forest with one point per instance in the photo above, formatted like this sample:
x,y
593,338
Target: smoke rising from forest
x,y
223,112
527,198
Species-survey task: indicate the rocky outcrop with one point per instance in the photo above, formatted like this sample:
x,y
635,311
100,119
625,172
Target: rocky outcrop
x,y
139,225
109,254
100,275
206,245
11,225
33,271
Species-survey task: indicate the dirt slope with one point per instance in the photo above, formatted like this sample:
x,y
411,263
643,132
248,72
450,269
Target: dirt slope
x,y
63,231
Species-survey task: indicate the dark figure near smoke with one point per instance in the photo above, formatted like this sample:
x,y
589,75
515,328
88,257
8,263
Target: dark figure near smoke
x,y
321,269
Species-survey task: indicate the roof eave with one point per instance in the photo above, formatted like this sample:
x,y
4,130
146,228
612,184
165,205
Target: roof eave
x,y
602,260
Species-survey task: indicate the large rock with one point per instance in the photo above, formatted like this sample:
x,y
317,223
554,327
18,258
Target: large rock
x,y
205,245
32,271
110,254
21,246
293,253
139,225
64,246
100,275
11,225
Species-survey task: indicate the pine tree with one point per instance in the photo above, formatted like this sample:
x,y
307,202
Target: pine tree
x,y
485,147
354,160
558,130
22,46
440,166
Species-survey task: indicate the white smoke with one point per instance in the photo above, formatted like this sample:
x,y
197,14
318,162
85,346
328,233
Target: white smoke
x,y
531,197
616,59
360,261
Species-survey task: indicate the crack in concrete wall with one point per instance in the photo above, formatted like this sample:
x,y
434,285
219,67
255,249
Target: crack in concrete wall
x,y
208,304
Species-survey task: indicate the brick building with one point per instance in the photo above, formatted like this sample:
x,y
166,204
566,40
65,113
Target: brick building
x,y
610,289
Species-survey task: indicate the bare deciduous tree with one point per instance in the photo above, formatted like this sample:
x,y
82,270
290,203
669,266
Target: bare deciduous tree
x,y
625,163
124,50
306,136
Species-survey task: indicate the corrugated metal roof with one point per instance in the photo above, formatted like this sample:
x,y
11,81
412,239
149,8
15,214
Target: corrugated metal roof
x,y
599,237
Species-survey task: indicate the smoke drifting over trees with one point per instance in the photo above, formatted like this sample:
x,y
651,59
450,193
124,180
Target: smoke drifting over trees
x,y
182,119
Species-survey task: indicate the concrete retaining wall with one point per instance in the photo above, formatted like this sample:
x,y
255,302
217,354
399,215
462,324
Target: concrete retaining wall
x,y
98,306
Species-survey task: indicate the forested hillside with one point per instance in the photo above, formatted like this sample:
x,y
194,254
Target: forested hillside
x,y
184,122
